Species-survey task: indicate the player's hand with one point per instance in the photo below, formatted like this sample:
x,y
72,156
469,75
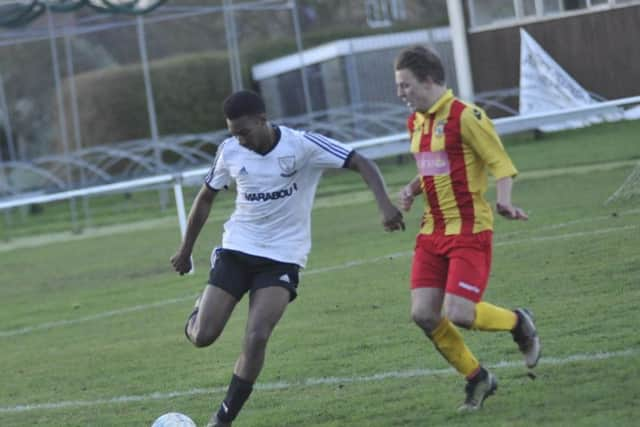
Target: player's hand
x,y
392,220
511,212
406,198
181,262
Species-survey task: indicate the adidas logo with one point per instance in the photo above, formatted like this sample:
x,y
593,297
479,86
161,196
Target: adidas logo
x,y
243,171
285,278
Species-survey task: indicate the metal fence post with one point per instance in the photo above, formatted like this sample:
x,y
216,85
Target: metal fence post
x,y
151,107
182,213
62,121
75,119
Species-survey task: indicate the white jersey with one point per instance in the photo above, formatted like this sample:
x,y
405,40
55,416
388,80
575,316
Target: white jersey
x,y
272,216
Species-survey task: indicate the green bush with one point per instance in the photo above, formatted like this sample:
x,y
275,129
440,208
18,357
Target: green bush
x,y
188,92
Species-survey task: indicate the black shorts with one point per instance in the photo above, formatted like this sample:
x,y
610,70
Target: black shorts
x,y
238,273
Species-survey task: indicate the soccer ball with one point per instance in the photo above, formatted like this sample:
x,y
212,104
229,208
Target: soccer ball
x,y
173,419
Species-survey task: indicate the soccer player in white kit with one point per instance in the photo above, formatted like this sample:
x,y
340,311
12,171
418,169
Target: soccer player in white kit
x,y
268,236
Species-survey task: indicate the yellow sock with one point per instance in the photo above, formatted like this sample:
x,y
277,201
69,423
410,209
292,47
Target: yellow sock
x,y
450,344
493,318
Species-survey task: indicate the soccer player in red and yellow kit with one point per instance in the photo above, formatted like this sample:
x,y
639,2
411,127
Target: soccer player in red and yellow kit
x,y
455,146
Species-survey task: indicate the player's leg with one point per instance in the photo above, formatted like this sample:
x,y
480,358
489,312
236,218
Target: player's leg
x,y
525,334
212,311
469,270
469,262
426,308
266,307
443,334
484,316
428,279
480,382
273,285
519,322
228,282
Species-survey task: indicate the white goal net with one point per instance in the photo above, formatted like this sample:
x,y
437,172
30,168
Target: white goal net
x,y
629,188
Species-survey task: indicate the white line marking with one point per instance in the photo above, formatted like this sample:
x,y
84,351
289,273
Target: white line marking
x,y
355,263
89,233
347,265
574,222
567,235
51,325
310,382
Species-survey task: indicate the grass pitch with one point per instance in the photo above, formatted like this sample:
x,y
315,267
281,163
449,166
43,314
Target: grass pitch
x,y
91,327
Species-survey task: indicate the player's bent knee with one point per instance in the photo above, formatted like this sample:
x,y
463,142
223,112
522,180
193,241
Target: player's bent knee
x,y
459,316
426,321
204,338
200,341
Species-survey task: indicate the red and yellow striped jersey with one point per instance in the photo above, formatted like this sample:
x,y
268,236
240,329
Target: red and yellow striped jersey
x,y
455,146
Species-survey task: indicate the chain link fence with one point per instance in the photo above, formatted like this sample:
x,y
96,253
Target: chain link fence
x,y
89,97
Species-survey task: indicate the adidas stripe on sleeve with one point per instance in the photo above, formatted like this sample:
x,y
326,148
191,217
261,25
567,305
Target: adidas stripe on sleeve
x,y
218,176
327,152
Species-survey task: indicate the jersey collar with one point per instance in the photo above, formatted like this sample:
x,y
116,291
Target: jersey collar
x,y
278,135
446,97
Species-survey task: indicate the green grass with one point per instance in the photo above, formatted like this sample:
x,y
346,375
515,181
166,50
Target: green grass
x,y
76,324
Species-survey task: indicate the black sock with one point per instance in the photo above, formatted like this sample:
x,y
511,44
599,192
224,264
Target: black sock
x,y
481,375
516,329
237,393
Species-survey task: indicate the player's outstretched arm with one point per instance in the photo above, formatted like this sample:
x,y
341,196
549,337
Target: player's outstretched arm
x,y
503,204
198,215
391,215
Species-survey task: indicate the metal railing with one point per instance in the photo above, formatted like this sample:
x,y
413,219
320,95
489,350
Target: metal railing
x,y
374,148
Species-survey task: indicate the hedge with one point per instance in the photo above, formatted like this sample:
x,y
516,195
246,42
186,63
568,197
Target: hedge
x,y
188,92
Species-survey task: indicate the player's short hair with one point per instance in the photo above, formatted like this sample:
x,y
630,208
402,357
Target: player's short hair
x,y
422,62
243,103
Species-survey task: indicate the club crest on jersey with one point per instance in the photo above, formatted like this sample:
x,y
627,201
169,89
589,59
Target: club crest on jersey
x,y
439,129
287,165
